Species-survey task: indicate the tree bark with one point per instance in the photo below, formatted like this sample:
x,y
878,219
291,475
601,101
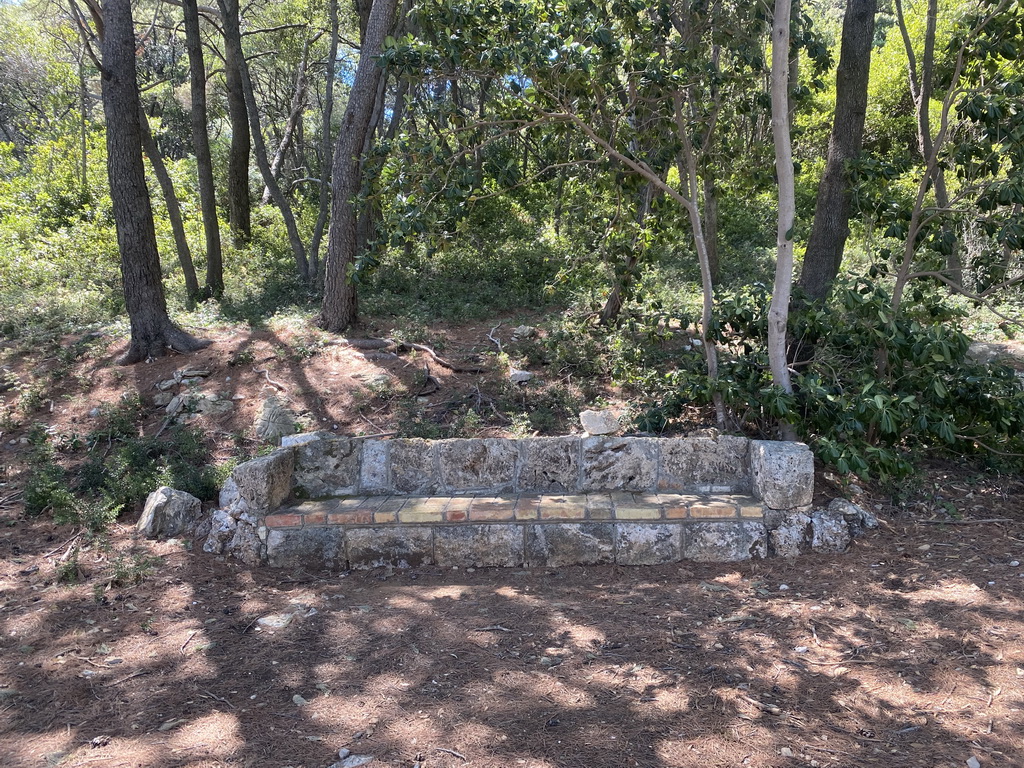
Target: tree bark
x,y
831,227
325,147
621,288
233,43
156,160
152,331
340,306
239,203
201,146
921,91
294,115
778,312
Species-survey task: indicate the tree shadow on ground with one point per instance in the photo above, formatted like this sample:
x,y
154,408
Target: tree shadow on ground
x,y
874,657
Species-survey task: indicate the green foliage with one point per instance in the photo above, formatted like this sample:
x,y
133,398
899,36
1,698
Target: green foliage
x,y
502,262
120,469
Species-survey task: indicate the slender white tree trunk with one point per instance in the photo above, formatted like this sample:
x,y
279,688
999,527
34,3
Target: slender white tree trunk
x,y
778,313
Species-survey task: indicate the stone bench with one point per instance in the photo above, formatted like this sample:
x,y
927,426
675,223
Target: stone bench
x,y
324,500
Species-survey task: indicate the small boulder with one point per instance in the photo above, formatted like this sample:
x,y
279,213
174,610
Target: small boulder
x,y
599,422
855,515
519,377
168,513
523,332
831,532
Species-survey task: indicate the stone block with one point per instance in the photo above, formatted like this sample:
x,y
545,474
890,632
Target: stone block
x,y
600,422
168,512
549,465
782,473
619,464
647,543
412,467
398,547
311,548
554,545
327,467
264,483
563,507
831,532
479,545
705,464
478,465
374,469
791,535
725,541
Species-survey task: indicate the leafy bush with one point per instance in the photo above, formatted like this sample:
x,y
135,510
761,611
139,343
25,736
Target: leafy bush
x,y
881,386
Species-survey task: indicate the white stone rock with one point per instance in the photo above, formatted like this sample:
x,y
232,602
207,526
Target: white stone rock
x,y
783,473
600,422
524,332
519,377
168,512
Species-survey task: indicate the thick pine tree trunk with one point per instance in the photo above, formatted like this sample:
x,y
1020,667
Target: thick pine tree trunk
x,y
201,145
239,202
340,307
152,331
831,227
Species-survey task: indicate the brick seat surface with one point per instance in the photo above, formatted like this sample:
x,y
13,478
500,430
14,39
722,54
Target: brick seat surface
x,y
632,507
521,529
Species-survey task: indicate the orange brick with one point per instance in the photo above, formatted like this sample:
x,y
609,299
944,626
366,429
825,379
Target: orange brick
x,y
599,506
708,509
455,515
492,509
387,512
676,511
563,507
315,518
355,517
677,506
526,507
458,509
639,507
423,510
283,521
385,517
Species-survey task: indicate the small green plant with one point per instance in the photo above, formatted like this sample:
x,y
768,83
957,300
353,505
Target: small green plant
x,y
68,570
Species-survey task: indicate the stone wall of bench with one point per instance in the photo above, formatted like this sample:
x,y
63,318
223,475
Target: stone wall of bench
x,y
323,500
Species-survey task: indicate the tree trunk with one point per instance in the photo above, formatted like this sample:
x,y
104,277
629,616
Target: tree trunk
x,y
294,114
340,305
778,312
239,203
831,226
233,43
152,331
623,283
325,147
921,91
163,178
711,222
201,145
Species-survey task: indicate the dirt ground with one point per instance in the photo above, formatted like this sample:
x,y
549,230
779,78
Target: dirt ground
x,y
906,651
